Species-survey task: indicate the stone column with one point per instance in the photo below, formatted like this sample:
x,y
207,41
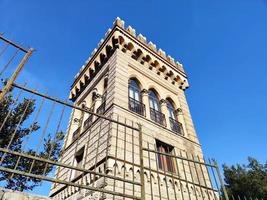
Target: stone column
x,y
145,100
164,110
98,101
180,118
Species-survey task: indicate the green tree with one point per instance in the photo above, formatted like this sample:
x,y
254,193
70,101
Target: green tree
x,y
247,180
17,114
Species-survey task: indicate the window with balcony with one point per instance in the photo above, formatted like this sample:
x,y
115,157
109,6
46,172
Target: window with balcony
x,y
175,125
135,101
88,122
155,111
102,107
165,162
76,133
78,161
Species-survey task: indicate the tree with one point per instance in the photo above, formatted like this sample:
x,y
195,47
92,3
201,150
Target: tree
x,y
15,129
247,180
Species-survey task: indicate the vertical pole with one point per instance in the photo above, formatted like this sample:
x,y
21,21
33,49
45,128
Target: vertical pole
x,y
142,177
220,179
16,73
150,177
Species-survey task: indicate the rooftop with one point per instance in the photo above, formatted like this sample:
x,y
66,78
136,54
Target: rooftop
x,y
119,25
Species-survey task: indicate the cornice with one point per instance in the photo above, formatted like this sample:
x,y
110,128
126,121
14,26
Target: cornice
x,y
153,57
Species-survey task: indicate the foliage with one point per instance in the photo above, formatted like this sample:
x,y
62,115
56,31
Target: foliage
x,y
16,129
247,180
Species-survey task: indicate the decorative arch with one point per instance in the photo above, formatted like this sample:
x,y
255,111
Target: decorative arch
x,y
139,79
152,178
115,42
121,40
130,46
155,90
137,175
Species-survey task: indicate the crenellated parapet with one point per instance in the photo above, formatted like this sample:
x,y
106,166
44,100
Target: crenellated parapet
x,y
138,48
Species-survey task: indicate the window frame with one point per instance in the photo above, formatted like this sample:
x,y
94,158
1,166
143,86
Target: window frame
x,y
165,162
135,89
154,100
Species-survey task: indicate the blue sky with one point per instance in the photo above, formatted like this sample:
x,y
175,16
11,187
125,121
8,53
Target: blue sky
x,y
222,45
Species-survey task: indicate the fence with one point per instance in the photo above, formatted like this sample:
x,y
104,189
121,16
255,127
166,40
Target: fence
x,y
106,158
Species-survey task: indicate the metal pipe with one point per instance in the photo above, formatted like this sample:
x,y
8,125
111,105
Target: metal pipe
x,y
14,44
70,105
142,177
15,74
65,182
179,157
8,63
65,165
4,49
159,172
220,179
150,174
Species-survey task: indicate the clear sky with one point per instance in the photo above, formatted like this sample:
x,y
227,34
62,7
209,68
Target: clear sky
x,y
222,45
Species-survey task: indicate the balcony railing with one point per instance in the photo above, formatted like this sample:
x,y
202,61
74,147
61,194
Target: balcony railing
x,y
176,126
136,106
75,134
88,122
157,117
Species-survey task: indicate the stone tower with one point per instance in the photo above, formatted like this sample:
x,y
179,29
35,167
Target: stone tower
x,y
128,79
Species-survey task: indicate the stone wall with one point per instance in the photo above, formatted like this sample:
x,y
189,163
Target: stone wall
x,y
6,194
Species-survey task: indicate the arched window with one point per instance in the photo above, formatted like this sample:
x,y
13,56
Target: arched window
x,y
135,98
171,109
134,90
153,100
155,111
175,125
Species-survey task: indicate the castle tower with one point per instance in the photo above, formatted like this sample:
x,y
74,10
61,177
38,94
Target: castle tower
x,y
129,80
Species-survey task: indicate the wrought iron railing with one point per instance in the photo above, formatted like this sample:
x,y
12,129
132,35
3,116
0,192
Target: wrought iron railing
x,y
75,134
157,116
176,126
137,106
88,122
194,179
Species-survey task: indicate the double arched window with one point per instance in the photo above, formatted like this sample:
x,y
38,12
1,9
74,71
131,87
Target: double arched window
x,y
135,97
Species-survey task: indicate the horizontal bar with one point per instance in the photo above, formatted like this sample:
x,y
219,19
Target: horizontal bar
x,y
66,166
168,175
180,157
13,44
65,182
72,106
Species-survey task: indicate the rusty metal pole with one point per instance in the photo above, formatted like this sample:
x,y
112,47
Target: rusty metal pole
x,y
221,179
142,175
15,74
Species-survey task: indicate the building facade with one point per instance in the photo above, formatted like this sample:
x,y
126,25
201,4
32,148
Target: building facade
x,y
140,88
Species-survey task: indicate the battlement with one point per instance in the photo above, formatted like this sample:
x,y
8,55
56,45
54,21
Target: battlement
x,y
126,40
